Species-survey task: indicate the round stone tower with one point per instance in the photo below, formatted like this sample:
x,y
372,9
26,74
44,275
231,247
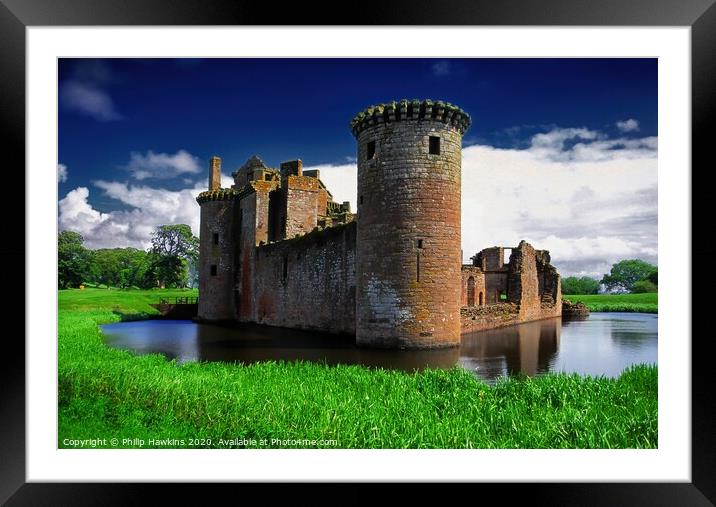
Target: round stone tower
x,y
216,249
408,256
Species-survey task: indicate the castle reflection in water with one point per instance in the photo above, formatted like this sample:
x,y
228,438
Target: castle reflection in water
x,y
603,344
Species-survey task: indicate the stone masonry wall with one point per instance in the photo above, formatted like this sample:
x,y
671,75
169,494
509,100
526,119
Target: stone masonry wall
x,y
408,260
307,282
215,301
301,205
523,282
479,277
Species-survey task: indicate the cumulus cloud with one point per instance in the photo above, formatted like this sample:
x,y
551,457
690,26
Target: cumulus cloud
x,y
590,204
150,207
61,173
629,125
162,165
588,199
89,100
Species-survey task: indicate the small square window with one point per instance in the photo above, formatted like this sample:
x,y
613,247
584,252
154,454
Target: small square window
x,y
215,238
213,270
434,148
370,150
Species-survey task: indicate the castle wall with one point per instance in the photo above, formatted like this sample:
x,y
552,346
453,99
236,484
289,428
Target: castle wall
x,y
523,281
308,282
408,292
301,205
216,287
478,289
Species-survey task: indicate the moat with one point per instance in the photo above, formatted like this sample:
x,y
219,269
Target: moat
x,y
604,344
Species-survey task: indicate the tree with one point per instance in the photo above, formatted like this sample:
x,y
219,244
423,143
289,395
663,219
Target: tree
x,y
174,248
73,260
583,285
643,286
624,274
654,277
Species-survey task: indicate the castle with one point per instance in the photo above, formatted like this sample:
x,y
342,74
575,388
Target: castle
x,y
276,249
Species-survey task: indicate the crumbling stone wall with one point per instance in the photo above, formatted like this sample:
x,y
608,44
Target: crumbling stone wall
x,y
472,293
308,282
530,283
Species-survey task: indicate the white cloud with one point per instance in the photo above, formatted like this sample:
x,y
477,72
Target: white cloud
x,y
88,99
61,173
591,203
629,125
162,165
76,214
151,207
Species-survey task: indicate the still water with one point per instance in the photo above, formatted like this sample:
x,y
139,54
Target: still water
x,y
603,344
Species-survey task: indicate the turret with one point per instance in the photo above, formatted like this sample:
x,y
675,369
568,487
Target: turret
x,y
408,257
216,248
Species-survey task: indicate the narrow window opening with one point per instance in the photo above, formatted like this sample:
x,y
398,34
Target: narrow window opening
x,y
215,238
434,145
471,291
480,298
420,243
370,150
213,270
284,273
361,199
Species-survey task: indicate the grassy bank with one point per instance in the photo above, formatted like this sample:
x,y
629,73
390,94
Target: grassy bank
x,y
644,303
108,393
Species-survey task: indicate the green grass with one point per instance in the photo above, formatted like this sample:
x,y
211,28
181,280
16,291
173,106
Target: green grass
x,y
108,393
644,303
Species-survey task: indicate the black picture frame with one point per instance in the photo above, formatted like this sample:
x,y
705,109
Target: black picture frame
x,y
700,15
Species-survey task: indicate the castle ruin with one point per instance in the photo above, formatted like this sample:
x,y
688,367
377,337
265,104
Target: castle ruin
x,y
276,249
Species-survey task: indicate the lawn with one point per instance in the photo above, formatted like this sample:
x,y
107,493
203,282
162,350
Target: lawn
x,y
644,303
108,393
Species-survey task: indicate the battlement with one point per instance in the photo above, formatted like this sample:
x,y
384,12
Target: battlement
x,y
415,109
219,194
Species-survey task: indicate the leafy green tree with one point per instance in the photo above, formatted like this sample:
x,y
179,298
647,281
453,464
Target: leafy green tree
x,y
654,277
643,286
73,260
625,273
583,285
118,267
174,248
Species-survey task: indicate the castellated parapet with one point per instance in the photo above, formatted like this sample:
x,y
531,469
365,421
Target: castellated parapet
x,y
276,249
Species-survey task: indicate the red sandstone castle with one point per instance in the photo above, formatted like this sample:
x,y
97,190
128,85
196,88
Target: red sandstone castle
x,y
277,250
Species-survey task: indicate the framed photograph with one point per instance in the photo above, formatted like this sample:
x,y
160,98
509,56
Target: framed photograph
x,y
256,176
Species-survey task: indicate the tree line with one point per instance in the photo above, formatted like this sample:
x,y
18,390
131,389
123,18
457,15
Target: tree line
x,y
170,261
629,275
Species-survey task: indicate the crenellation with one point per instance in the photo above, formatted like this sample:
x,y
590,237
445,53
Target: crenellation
x,y
391,275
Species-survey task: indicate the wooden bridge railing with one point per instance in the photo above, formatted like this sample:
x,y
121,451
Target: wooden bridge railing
x,y
181,301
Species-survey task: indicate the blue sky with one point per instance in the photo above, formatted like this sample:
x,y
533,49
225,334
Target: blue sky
x,y
135,137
